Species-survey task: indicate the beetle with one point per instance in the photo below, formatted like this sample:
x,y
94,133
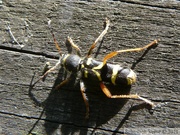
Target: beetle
x,y
100,71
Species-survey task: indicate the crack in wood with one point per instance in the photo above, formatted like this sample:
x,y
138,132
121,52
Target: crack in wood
x,y
29,52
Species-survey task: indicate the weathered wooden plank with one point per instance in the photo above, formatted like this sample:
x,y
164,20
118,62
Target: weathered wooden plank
x,y
170,4
133,24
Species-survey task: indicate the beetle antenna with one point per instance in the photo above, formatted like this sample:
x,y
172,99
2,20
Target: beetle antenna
x,y
55,41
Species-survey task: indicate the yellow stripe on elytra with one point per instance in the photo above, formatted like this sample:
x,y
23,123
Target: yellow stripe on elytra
x,y
97,74
114,74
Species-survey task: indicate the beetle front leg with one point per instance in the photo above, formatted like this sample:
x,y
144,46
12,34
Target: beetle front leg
x,y
45,74
107,23
70,44
64,82
131,96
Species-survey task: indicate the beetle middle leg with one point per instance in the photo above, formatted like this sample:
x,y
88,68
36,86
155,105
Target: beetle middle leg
x,y
85,98
131,96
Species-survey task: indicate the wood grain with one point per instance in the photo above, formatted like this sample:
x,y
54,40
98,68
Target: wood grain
x,y
133,24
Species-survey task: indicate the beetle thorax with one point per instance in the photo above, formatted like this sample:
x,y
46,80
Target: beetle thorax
x,y
71,62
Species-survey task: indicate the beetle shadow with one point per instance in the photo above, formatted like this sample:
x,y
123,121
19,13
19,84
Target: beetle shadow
x,y
126,117
65,109
141,57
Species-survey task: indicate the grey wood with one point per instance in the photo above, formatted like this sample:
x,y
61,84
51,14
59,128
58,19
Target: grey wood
x,y
133,24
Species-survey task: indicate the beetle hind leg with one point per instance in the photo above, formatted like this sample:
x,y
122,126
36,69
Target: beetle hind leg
x,y
113,54
131,96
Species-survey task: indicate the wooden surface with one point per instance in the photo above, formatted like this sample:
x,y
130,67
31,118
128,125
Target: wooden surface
x,y
133,24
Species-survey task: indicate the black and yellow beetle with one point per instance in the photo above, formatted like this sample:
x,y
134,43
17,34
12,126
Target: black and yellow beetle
x,y
100,71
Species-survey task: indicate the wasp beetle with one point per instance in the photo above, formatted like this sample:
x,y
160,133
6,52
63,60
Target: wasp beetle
x,y
101,71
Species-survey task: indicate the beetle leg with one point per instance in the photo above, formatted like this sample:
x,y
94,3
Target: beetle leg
x,y
107,23
131,96
64,82
46,68
112,54
85,98
70,44
45,74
